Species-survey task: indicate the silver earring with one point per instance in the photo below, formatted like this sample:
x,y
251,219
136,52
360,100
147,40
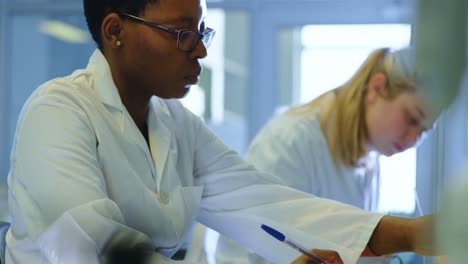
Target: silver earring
x,y
118,43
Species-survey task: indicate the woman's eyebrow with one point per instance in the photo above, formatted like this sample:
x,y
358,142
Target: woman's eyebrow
x,y
183,20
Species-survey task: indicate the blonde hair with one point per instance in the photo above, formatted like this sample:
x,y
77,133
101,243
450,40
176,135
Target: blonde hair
x,y
343,119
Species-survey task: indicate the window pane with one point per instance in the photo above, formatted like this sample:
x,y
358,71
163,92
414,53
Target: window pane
x,y
332,53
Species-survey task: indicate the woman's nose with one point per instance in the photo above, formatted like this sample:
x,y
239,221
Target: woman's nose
x,y
412,136
200,51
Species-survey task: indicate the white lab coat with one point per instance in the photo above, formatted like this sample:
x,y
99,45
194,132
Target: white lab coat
x,y
294,148
81,172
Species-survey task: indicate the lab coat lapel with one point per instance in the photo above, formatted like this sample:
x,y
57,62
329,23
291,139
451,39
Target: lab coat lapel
x,y
159,135
131,130
108,94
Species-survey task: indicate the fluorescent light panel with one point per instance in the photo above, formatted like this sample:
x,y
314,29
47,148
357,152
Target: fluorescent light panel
x,y
63,31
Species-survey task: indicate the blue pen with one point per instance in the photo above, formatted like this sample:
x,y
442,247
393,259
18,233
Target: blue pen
x,y
278,235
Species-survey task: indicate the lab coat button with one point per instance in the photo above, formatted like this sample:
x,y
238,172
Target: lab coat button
x,y
164,198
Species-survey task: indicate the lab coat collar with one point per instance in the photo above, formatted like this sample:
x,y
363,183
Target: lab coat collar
x,y
159,130
103,83
159,117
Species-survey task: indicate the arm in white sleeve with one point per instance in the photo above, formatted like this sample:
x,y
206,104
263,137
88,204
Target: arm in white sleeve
x,y
238,199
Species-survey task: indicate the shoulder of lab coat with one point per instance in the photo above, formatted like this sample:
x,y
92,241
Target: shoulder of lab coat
x,y
295,149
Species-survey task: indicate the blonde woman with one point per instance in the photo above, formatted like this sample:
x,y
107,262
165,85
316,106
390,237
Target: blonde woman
x,y
326,147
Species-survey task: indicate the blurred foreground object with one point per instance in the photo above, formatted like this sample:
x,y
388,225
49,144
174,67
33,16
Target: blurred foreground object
x,y
451,224
440,40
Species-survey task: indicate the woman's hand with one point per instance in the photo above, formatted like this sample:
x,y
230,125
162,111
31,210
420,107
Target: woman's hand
x,y
332,257
396,234
422,235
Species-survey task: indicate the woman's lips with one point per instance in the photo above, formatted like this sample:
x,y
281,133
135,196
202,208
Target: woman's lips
x,y
397,147
192,79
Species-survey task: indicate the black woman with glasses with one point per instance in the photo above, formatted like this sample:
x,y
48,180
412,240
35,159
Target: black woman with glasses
x,y
107,162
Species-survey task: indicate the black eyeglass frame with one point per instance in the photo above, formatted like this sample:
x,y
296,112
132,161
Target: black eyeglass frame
x,y
206,36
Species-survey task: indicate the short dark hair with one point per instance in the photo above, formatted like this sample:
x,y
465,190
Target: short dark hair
x,y
96,10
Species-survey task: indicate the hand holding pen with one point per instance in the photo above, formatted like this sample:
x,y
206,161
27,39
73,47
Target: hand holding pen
x,y
330,257
314,256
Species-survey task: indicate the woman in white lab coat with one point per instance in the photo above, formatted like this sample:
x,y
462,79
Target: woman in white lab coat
x,y
107,155
328,146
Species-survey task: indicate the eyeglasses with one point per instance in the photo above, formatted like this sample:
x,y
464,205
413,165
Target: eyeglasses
x,y
187,39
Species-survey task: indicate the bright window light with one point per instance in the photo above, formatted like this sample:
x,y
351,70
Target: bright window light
x,y
398,182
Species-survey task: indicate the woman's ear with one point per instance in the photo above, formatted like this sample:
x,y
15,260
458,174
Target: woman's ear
x,y
376,87
111,31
